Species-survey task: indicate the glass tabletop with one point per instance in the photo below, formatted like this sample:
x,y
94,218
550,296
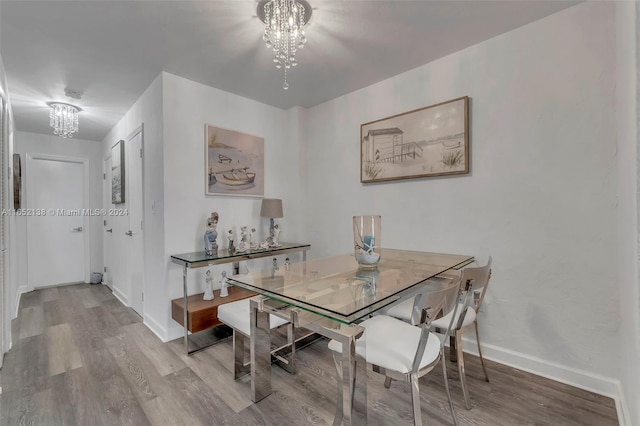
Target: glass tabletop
x,y
224,256
337,288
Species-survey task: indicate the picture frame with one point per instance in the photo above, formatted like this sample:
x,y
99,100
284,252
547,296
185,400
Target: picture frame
x,y
234,163
117,173
17,182
426,142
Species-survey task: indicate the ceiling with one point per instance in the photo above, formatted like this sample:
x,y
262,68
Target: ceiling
x,y
112,50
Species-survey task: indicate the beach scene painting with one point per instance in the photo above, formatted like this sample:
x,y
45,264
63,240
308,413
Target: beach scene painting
x,y
234,163
430,141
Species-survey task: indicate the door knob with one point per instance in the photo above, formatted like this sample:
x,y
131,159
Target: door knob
x,y
110,230
129,233
78,229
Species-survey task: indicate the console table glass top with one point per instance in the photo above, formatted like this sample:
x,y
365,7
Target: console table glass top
x,y
199,259
338,289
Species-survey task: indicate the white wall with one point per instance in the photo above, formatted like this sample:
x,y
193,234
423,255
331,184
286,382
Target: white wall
x,y
9,293
540,198
187,107
33,143
628,97
147,110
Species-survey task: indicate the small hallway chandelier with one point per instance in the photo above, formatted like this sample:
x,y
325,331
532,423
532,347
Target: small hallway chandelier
x,y
284,30
63,117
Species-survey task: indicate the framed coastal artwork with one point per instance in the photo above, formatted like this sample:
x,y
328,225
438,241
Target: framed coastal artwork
x,y
234,163
430,141
117,173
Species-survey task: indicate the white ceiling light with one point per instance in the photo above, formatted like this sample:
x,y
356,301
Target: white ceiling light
x,y
63,118
284,30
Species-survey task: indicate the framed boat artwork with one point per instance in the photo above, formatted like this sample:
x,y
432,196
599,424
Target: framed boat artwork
x,y
234,163
430,141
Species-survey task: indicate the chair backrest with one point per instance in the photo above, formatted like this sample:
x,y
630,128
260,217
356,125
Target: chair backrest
x,y
479,278
435,304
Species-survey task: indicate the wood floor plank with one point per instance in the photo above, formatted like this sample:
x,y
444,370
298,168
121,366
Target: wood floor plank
x,y
80,398
206,364
121,313
122,407
134,368
160,355
167,411
200,399
32,321
54,312
62,351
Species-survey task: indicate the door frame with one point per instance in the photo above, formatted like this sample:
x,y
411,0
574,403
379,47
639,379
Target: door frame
x,y
86,223
138,131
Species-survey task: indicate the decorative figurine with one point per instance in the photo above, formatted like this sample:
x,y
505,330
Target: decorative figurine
x,y
208,287
210,235
287,264
245,239
252,242
224,287
275,236
230,245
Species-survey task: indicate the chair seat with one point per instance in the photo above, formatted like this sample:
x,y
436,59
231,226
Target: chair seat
x,y
443,322
392,344
237,315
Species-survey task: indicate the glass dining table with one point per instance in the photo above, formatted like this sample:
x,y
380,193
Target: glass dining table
x,y
330,296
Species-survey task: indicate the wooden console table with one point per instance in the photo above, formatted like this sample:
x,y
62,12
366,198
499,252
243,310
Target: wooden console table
x,y
197,315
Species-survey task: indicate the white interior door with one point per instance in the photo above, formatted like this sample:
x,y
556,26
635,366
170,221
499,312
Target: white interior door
x,y
57,243
135,232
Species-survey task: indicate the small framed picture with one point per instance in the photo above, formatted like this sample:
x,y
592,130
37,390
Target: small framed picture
x,y
234,163
117,173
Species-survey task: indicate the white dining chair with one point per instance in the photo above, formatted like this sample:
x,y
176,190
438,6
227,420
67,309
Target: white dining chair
x,y
477,280
401,351
237,315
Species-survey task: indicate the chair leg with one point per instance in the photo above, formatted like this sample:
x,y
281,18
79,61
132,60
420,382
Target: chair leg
x,y
387,382
452,347
415,399
463,378
486,376
446,386
240,369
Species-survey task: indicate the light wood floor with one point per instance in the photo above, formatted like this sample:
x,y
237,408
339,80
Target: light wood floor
x,y
81,358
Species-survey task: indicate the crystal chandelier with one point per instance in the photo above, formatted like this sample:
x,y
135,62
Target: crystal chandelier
x,y
284,30
63,118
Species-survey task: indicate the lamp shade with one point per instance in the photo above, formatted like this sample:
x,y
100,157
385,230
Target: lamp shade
x,y
271,207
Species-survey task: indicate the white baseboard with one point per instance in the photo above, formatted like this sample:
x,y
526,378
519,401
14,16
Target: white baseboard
x,y
624,416
120,296
164,334
560,373
156,328
21,290
540,367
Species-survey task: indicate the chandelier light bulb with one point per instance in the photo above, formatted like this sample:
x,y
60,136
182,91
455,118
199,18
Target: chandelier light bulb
x,y
284,31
